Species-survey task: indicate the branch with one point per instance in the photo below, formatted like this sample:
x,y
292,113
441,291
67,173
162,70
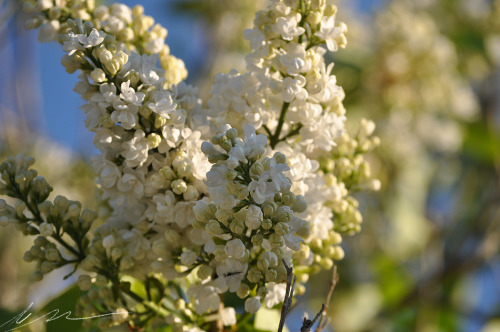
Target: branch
x,y
307,324
287,303
333,282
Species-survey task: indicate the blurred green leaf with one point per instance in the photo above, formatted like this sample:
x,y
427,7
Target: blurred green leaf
x,y
65,302
479,144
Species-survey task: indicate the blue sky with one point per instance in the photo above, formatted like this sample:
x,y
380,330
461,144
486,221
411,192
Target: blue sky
x,y
54,107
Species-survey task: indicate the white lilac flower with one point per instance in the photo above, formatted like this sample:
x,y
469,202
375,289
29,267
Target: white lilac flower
x,y
254,143
235,248
46,229
126,114
205,298
287,27
230,274
135,151
276,294
188,257
163,105
49,31
129,95
254,217
294,88
94,38
329,32
294,59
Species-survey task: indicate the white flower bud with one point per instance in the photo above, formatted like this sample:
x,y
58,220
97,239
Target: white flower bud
x,y
179,186
235,248
252,305
84,282
101,280
228,316
46,229
243,291
153,140
159,247
48,31
254,217
108,241
52,254
98,75
300,204
191,193
33,23
188,257
120,316
204,272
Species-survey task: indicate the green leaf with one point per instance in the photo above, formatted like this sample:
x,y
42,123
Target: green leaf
x,y
480,143
64,303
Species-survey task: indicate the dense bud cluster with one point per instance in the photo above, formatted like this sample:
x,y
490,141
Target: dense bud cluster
x,y
55,222
190,220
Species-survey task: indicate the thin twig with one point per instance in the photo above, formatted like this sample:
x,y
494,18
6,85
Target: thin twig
x,y
307,324
333,282
287,303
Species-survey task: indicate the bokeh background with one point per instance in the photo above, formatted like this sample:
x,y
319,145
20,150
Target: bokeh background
x,y
427,72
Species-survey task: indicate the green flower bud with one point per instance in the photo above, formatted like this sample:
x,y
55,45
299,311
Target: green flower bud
x,y
237,226
116,253
339,253
276,240
37,275
300,289
180,304
52,254
220,253
160,247
263,264
278,252
172,236
281,229
47,266
28,257
288,198
226,145
257,239
330,10
262,291
280,158
267,224
101,280
160,121
271,275
231,133
231,174
213,228
299,205
254,275
243,291
269,209
153,140
179,186
41,189
284,214
20,206
256,170
317,4
204,272
326,263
